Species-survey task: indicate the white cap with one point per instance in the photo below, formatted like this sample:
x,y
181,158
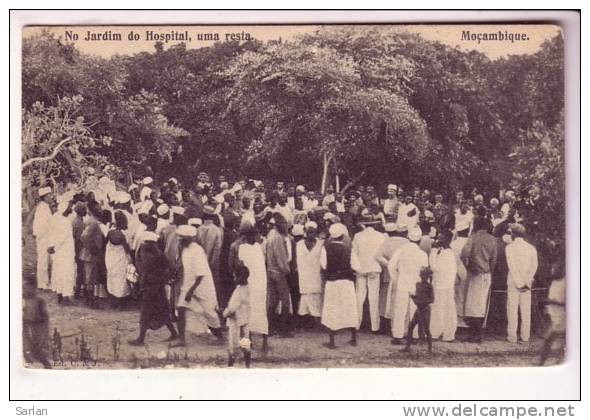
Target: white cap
x,y
337,230
478,197
300,188
415,234
195,221
224,185
147,180
177,210
311,225
186,231
219,198
162,209
392,187
44,191
150,236
428,215
510,194
297,230
174,180
494,201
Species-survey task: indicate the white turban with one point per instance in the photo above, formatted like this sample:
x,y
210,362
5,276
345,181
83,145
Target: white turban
x,y
186,231
44,191
147,180
311,225
195,221
162,209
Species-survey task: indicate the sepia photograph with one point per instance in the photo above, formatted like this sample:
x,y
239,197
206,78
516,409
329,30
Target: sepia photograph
x,y
293,196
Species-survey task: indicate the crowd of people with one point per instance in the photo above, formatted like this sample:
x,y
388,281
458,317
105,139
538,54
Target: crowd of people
x,y
245,259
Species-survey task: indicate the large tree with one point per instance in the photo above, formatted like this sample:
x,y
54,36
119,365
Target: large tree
x,y
309,111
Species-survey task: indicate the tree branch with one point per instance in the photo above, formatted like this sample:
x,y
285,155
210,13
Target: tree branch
x,y
46,158
352,182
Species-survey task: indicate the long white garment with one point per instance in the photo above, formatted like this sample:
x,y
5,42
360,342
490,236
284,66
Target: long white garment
x,y
522,261
63,269
404,268
461,284
310,278
116,261
252,257
443,315
133,224
204,299
339,310
390,245
309,267
41,230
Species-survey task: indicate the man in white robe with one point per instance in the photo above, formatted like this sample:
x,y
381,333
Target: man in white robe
x,y
368,271
41,230
197,291
63,249
522,266
405,266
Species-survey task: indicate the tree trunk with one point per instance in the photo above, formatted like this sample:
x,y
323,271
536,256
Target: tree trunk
x,y
327,159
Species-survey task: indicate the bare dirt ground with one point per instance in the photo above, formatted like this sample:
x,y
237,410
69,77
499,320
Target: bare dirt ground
x,y
107,331
102,328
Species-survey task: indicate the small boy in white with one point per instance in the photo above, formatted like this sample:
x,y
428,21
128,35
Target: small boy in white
x,y
237,314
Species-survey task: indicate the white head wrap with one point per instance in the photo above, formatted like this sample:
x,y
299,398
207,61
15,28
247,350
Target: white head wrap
x,y
162,209
186,231
44,191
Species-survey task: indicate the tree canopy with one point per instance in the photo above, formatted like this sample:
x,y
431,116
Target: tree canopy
x,y
373,103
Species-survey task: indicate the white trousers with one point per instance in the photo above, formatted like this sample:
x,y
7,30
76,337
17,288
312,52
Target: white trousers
x,y
42,265
370,282
403,309
443,314
518,301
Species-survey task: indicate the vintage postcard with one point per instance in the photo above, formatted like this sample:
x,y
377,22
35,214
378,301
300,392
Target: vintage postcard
x,y
293,196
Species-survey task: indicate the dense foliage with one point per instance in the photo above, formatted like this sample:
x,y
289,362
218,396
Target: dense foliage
x,y
363,102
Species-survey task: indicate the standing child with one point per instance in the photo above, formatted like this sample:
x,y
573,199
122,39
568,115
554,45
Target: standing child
x,y
35,325
422,298
237,313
